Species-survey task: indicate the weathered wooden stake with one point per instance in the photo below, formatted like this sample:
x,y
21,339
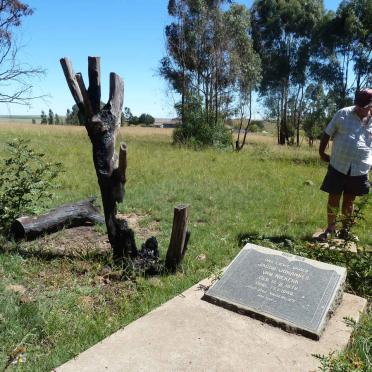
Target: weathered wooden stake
x,y
179,238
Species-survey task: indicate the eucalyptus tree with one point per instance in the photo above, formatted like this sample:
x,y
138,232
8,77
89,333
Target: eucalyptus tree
x,y
282,33
194,65
245,66
208,56
344,42
316,112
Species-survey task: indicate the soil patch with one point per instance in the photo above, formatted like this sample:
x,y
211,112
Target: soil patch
x,y
142,230
75,242
85,240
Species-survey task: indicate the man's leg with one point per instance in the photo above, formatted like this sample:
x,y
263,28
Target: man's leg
x,y
332,210
347,210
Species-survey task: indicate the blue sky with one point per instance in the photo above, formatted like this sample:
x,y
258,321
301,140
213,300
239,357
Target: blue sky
x,y
128,35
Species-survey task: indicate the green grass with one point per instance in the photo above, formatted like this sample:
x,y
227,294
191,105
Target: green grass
x,y
67,308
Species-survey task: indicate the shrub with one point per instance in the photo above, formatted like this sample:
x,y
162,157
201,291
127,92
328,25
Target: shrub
x,y
133,120
199,130
256,126
25,182
146,119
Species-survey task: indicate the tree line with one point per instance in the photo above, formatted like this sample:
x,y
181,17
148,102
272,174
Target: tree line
x,y
72,117
304,62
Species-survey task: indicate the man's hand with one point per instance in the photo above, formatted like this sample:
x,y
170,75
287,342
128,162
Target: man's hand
x,y
325,157
323,144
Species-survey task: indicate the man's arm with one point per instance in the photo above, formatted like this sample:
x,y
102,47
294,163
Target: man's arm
x,y
323,144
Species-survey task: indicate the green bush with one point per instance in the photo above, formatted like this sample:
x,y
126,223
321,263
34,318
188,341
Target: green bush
x,y
199,130
146,119
25,182
133,120
256,126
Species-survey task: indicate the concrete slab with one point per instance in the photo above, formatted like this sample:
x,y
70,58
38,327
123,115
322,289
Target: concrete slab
x,y
293,292
188,334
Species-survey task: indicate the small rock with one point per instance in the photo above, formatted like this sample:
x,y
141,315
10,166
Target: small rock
x,y
86,301
201,257
155,282
114,276
106,270
24,299
309,183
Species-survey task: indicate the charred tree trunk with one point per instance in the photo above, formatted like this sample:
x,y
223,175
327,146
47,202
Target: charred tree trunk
x,y
68,215
102,125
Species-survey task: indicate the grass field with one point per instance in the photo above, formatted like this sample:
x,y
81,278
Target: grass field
x,y
64,305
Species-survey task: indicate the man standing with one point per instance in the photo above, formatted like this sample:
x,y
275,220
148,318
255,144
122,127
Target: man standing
x,y
350,160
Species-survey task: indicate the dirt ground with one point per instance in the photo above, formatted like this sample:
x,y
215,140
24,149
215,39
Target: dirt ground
x,y
87,240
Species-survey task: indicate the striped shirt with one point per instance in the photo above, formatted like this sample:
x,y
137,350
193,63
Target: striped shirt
x,y
352,142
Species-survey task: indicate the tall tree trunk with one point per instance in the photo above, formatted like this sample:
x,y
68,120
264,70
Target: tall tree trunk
x,y
238,145
299,117
282,132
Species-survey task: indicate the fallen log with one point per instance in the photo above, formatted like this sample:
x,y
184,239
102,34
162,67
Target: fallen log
x,y
68,215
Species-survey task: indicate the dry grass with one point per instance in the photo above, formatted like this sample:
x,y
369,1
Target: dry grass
x,y
74,129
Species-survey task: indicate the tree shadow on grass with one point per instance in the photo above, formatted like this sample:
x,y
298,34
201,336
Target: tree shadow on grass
x,y
85,243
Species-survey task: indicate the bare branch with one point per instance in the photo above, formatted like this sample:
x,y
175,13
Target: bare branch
x,y
94,90
87,104
72,83
116,97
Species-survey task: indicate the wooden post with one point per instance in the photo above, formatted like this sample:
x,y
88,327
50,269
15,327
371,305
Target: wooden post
x,y
179,238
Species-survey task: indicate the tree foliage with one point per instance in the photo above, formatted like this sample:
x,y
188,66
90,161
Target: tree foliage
x,y
50,117
43,118
283,33
209,55
343,45
305,61
146,119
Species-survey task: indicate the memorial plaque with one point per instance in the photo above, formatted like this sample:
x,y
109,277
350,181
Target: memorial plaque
x,y
293,292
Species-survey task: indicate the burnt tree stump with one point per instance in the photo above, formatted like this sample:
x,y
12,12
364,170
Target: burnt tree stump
x,y
102,126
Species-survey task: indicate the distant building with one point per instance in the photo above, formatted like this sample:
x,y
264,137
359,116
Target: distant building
x,y
167,123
